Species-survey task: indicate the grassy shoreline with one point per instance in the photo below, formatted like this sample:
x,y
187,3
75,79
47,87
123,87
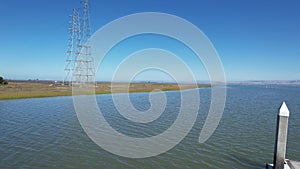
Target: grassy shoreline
x,y
23,90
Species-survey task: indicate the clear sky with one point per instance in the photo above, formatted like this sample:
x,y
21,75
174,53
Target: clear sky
x,y
255,39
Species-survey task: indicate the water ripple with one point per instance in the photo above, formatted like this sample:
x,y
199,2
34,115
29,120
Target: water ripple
x,y
45,133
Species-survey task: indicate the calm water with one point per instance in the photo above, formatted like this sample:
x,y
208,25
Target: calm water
x,y
45,133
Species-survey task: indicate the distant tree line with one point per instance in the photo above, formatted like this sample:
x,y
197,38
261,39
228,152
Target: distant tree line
x,y
2,81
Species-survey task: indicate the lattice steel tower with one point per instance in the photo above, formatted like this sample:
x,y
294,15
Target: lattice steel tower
x,y
83,65
74,29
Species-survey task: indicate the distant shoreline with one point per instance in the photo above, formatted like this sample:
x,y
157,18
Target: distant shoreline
x,y
39,89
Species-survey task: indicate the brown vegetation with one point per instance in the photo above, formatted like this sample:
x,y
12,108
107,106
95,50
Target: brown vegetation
x,y
29,89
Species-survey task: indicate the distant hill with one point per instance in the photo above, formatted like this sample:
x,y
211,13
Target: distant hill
x,y
268,82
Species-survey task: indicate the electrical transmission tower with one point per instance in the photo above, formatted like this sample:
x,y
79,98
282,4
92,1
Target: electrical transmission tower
x,y
74,30
83,70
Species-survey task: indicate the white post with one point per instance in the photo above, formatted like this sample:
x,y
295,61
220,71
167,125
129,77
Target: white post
x,y
281,137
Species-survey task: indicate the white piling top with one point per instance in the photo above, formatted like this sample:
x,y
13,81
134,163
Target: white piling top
x,y
284,111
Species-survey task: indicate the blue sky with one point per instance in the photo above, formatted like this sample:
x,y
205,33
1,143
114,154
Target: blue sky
x,y
256,40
